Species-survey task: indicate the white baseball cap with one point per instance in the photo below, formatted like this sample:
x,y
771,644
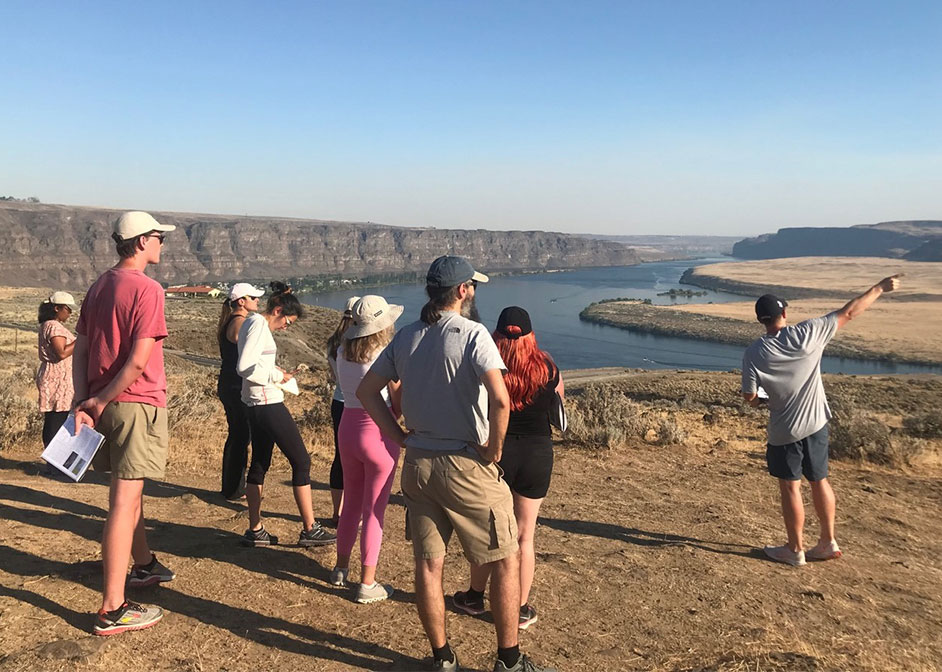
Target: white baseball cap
x,y
136,223
243,289
61,299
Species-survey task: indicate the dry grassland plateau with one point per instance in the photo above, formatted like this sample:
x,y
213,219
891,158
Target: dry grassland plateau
x,y
648,544
904,326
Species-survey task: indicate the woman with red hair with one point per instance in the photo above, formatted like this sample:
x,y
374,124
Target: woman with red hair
x,y
532,380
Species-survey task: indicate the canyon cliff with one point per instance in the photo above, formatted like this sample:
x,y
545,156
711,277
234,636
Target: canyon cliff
x,y
886,239
68,246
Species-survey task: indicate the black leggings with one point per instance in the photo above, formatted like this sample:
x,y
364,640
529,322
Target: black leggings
x,y
271,424
336,469
235,453
52,421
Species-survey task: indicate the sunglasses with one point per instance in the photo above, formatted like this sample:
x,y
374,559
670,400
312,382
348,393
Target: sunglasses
x,y
289,321
158,236
473,283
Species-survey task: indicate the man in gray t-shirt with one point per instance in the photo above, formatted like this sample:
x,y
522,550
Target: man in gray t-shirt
x,y
456,407
785,364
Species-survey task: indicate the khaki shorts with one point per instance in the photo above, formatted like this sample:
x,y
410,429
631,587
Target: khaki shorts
x,y
136,439
457,492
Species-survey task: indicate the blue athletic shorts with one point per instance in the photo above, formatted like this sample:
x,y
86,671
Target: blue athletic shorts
x,y
808,456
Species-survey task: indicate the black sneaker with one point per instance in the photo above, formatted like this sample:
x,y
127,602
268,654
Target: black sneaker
x,y
150,574
316,536
129,616
524,664
330,523
527,616
259,537
473,606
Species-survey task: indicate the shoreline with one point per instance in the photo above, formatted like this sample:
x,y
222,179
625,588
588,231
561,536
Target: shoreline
x,y
902,328
667,321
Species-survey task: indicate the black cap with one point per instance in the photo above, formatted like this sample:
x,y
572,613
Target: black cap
x,y
514,316
450,271
769,306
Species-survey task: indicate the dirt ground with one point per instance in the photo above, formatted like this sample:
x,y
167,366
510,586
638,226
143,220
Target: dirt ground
x,y
648,555
648,559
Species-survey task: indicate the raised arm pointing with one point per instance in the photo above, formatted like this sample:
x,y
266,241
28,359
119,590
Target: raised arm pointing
x,y
856,306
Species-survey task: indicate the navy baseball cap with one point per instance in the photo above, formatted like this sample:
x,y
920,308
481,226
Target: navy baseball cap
x,y
769,306
450,271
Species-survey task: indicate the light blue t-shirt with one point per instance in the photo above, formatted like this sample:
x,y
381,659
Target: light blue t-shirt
x,y
787,365
444,402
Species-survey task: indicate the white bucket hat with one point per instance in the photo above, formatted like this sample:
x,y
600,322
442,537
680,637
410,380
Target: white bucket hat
x,y
371,314
348,309
136,223
242,289
61,299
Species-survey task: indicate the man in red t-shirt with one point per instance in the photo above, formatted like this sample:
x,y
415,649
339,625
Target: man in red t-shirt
x,y
121,390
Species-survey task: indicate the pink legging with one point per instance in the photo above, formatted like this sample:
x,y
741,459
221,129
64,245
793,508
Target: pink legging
x,y
369,465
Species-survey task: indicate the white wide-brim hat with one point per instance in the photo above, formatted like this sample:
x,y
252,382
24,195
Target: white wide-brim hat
x,y
371,314
348,308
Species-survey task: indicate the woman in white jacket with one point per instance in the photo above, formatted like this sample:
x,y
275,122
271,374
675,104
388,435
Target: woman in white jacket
x,y
270,420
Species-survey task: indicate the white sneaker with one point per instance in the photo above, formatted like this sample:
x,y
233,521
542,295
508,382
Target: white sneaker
x,y
375,593
786,555
829,551
338,577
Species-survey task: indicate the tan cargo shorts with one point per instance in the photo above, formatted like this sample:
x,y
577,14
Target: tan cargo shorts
x,y
458,492
136,440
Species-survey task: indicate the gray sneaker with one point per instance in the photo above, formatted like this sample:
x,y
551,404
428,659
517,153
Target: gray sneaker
x,y
445,666
338,577
129,616
316,536
524,664
377,593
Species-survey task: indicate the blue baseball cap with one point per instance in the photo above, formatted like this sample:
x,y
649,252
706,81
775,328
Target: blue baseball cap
x,y
450,271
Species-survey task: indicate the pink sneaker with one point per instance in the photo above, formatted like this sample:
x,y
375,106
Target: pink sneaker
x,y
786,555
827,552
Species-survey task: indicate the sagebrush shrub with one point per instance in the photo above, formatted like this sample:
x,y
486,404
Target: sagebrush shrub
x,y
604,416
859,435
926,425
19,414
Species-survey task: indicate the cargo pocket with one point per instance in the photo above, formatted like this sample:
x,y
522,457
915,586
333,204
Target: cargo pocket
x,y
503,530
409,479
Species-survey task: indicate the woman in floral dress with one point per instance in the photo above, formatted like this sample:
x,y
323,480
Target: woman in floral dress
x,y
54,378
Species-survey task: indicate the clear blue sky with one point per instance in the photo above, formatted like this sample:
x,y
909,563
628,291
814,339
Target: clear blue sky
x,y
611,117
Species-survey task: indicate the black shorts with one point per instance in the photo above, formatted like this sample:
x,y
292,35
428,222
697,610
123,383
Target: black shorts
x,y
808,456
527,463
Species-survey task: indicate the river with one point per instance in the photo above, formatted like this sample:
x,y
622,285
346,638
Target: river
x,y
554,301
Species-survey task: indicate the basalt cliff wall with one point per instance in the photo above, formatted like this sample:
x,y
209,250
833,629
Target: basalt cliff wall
x,y
68,246
886,239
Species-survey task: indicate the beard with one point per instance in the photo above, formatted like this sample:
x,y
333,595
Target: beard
x,y
469,310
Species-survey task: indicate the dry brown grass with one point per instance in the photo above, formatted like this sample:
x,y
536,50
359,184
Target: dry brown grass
x,y
831,275
603,416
